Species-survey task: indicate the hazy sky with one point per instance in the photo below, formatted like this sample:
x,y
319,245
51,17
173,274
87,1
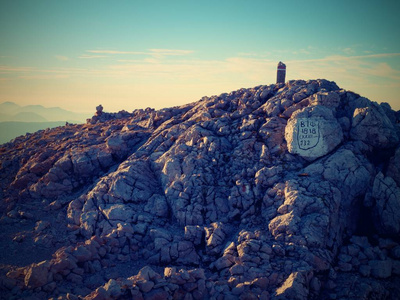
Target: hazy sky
x,y
153,53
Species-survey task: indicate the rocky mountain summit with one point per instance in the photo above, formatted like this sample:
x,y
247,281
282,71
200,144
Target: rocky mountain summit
x,y
285,191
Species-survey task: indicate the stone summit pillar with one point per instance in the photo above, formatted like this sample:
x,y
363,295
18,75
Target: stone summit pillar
x,y
281,73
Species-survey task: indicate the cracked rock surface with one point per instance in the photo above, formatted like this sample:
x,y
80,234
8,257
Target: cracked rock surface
x,y
285,191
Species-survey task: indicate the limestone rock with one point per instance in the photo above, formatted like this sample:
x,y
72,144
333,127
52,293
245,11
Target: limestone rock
x,y
328,99
36,275
194,234
294,287
347,172
118,212
313,132
158,205
393,168
381,268
371,125
387,209
215,235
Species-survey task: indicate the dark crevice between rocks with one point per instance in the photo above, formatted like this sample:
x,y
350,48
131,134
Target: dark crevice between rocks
x,y
380,158
364,224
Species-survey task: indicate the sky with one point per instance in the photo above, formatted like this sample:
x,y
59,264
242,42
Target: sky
x,y
151,53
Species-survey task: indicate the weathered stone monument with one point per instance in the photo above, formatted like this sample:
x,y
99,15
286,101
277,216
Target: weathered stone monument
x,y
313,132
281,73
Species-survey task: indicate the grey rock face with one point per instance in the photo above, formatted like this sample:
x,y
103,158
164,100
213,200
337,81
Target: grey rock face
x,y
295,287
372,126
387,208
328,99
287,191
393,168
381,268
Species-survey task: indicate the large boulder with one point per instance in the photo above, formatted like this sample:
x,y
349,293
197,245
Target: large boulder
x,y
36,275
313,132
372,126
294,287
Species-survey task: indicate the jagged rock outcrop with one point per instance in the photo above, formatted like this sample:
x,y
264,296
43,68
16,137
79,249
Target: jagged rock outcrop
x,y
286,191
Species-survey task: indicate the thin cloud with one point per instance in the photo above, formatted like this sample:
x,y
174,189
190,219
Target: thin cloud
x,y
85,56
44,77
151,60
348,51
8,69
241,70
131,60
115,52
161,53
254,54
342,57
61,57
380,55
302,51
156,53
64,70
34,73
173,52
382,70
183,69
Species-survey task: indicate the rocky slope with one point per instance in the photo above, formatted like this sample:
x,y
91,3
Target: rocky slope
x,y
274,192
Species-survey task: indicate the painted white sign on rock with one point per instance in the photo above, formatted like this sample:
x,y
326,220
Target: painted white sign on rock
x,y
308,134
313,132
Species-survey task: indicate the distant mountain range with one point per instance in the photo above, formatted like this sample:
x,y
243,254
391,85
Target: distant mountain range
x,y
18,120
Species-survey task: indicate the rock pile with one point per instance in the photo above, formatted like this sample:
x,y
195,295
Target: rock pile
x,y
274,192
